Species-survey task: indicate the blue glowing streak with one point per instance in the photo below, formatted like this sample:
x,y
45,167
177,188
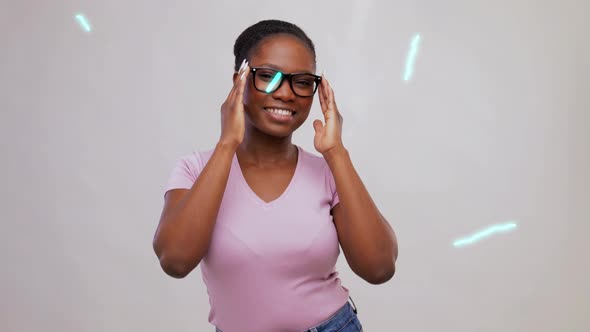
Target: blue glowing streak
x,y
485,233
83,22
411,57
274,82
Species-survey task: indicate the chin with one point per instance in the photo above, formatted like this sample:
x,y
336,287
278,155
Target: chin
x,y
285,132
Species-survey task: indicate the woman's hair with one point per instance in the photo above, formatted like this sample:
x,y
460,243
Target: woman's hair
x,y
253,35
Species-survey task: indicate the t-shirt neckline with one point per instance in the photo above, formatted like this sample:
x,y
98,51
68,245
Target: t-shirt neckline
x,y
283,195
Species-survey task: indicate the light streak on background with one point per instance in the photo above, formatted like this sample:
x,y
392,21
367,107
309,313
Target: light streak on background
x,y
83,22
411,59
484,233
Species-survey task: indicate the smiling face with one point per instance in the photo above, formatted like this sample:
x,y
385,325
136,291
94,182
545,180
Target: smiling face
x,y
287,54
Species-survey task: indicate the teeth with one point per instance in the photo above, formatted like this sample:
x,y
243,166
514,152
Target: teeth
x,y
279,111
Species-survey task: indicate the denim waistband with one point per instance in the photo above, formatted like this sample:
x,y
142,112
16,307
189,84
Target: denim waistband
x,y
341,317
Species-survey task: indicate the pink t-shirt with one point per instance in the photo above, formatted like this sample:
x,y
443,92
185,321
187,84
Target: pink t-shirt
x,y
271,266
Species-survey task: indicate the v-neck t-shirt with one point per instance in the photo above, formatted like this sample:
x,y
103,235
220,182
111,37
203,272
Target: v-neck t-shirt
x,y
271,266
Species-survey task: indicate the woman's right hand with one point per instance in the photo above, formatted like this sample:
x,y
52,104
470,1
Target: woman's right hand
x,y
232,110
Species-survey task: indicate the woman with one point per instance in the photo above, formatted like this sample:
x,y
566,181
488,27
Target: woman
x,y
263,216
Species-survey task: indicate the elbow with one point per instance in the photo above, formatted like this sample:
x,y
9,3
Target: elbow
x,y
174,265
382,270
380,273
174,269
381,277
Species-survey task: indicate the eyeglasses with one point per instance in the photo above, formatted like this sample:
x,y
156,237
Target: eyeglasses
x,y
270,80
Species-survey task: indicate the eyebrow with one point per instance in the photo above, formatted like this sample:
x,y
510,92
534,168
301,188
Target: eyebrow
x,y
268,65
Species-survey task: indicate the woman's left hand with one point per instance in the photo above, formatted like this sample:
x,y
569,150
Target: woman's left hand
x,y
328,136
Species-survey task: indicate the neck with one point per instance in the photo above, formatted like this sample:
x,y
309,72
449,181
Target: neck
x,y
267,150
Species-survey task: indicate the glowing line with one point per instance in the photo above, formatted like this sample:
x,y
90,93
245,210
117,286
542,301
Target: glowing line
x,y
411,57
83,22
485,233
274,82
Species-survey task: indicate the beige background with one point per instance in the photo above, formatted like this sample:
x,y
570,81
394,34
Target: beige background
x,y
493,127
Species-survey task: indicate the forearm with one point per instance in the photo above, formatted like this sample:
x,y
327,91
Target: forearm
x,y
366,237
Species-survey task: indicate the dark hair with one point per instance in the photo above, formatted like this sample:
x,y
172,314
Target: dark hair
x,y
254,34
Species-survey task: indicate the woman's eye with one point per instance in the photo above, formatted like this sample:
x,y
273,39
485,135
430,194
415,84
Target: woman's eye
x,y
266,76
304,83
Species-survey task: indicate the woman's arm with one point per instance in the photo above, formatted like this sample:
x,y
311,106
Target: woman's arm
x,y
368,241
188,217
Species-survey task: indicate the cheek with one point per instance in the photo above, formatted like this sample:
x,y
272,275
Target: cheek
x,y
251,96
306,105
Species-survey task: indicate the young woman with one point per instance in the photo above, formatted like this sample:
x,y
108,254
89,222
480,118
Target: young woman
x,y
264,217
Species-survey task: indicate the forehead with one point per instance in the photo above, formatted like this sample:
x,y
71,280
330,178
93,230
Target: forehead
x,y
284,52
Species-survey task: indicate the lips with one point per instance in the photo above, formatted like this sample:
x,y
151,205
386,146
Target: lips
x,y
279,115
271,108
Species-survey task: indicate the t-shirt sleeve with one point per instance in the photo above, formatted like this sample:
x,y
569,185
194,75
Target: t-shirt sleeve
x,y
331,186
185,172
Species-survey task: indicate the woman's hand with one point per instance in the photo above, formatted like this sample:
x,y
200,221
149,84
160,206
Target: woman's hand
x,y
232,110
328,136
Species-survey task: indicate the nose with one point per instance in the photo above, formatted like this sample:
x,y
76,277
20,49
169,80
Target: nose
x,y
284,92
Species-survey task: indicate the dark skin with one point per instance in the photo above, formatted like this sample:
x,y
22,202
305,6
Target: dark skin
x,y
266,155
268,158
267,144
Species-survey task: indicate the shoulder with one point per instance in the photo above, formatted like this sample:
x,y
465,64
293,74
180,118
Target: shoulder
x,y
313,160
195,160
319,176
315,166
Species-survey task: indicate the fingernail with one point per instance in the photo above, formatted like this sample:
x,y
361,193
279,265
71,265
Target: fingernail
x,y
242,65
242,77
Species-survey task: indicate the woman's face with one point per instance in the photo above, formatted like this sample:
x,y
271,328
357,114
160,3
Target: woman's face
x,y
288,55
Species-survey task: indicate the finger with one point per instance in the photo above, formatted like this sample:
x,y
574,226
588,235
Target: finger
x,y
321,96
237,82
331,97
334,106
242,82
323,99
326,91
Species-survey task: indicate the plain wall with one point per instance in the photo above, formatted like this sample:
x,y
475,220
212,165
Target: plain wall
x,y
492,127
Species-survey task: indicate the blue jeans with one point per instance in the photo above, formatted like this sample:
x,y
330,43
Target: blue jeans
x,y
344,320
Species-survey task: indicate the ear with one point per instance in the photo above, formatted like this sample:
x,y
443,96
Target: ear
x,y
235,77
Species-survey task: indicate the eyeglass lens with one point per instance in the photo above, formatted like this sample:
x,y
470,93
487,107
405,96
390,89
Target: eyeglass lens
x,y
268,80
